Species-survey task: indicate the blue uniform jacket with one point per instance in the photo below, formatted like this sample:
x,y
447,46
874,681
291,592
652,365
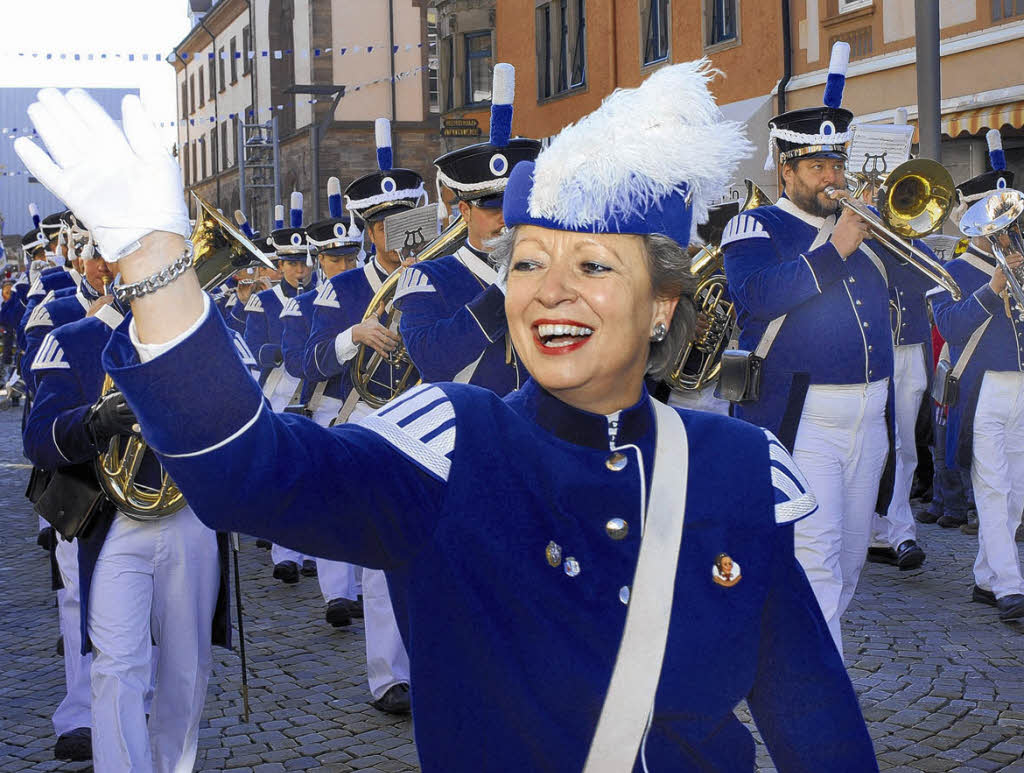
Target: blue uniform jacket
x,y
49,281
453,322
837,330
451,485
295,322
234,314
69,307
340,305
263,324
1001,347
11,311
69,379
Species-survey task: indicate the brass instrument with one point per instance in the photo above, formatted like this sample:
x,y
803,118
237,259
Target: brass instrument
x,y
697,364
398,371
997,217
220,249
915,199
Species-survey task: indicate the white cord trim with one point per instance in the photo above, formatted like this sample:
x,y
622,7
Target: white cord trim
x,y
381,198
497,184
837,138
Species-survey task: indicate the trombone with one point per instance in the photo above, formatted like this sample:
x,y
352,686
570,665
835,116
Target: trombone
x,y
915,199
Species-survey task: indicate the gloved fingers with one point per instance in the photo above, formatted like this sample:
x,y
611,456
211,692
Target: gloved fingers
x,y
40,165
75,133
58,139
101,127
139,129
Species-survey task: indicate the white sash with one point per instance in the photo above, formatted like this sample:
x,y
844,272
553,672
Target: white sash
x,y
630,698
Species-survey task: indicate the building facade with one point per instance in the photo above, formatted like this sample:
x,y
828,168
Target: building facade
x,y
284,62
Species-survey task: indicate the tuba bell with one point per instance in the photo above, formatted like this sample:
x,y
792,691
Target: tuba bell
x,y
697,364
219,249
998,217
379,379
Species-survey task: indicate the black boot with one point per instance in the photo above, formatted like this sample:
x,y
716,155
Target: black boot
x,y
287,572
74,746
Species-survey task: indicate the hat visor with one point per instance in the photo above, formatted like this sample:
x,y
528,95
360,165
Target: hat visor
x,y
339,251
491,201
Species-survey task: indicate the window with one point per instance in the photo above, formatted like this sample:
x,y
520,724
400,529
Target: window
x,y
194,153
1007,9
449,69
225,144
234,61
845,6
202,157
246,50
654,23
191,94
202,88
479,63
184,99
223,80
860,41
561,37
719,21
432,61
214,155
185,166
213,78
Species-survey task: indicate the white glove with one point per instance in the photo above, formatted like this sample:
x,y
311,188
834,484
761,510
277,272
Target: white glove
x,y
122,184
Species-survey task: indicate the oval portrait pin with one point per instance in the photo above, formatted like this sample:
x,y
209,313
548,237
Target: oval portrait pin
x,y
725,571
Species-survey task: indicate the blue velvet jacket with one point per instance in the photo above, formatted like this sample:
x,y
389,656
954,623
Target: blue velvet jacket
x,y
49,281
339,306
69,307
295,322
453,322
451,486
263,324
1001,347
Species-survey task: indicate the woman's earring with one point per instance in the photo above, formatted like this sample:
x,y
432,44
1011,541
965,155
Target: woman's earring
x,y
659,332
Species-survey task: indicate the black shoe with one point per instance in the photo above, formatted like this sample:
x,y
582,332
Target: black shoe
x,y
882,556
309,568
983,596
1019,536
909,555
263,543
60,645
287,572
74,746
337,613
47,539
971,527
926,516
355,608
394,701
950,521
1010,607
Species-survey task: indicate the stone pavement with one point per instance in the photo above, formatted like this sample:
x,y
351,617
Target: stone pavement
x,y
941,681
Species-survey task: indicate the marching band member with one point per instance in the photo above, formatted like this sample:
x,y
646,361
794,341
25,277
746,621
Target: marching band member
x,y
985,428
799,273
453,312
263,337
337,330
557,501
336,242
248,280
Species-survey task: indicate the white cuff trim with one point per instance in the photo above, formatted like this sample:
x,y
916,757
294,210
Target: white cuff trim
x,y
344,349
148,352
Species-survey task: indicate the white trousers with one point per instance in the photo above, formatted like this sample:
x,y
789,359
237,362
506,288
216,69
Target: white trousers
x,y
74,711
910,381
278,402
699,400
387,662
156,580
841,447
997,472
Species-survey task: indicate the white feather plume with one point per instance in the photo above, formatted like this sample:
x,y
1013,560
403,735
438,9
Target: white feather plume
x,y
382,132
503,90
994,139
641,145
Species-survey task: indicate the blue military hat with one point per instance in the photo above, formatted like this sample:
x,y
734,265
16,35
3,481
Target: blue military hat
x,y
815,131
479,173
389,190
335,232
646,162
992,181
290,243
53,223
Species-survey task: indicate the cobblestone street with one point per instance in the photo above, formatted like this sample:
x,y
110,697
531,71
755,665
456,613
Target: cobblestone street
x,y
940,679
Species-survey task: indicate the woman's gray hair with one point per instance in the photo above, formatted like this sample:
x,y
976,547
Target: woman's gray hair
x,y
669,267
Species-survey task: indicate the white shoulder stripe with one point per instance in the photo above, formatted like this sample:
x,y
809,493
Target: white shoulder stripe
x,y
420,424
413,281
743,227
50,356
793,497
35,289
254,304
291,309
39,317
326,296
243,349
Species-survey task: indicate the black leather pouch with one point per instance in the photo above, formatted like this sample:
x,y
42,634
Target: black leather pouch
x,y
72,501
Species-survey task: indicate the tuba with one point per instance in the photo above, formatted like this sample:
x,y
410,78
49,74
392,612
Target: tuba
x,y
219,249
998,218
379,379
914,201
697,364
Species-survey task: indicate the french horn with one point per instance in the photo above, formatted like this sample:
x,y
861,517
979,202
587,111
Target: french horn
x,y
698,362
379,379
219,250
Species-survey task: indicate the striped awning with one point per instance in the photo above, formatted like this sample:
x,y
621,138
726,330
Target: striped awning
x,y
981,119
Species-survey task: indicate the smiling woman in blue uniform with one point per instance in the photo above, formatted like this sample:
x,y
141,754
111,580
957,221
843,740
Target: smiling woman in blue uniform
x,y
560,542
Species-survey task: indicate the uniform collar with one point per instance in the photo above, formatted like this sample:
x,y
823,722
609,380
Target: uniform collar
x,y
578,427
786,205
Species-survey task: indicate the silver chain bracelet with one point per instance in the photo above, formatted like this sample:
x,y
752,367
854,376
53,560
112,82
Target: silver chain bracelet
x,y
127,293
